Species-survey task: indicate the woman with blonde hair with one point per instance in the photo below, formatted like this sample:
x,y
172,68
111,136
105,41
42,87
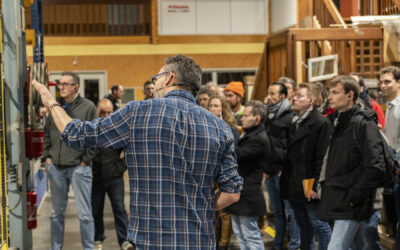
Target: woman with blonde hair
x,y
219,107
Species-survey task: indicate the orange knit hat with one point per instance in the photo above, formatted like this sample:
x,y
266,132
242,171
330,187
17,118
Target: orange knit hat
x,y
236,87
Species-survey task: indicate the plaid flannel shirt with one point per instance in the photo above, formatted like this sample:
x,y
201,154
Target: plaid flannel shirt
x,y
175,151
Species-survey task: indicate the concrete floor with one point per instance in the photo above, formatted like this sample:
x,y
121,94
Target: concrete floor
x,y
72,238
41,235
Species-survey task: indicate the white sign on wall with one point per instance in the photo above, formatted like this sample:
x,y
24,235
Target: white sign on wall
x,y
213,17
197,17
177,17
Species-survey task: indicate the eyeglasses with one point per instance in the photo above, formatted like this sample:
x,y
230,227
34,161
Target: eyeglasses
x,y
155,78
64,84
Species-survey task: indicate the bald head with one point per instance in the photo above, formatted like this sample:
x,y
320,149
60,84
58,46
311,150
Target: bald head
x,y
104,107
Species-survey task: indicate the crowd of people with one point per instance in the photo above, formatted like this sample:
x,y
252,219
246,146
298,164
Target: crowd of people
x,y
196,166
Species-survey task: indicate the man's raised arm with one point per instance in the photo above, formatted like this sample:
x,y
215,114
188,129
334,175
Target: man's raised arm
x,y
60,117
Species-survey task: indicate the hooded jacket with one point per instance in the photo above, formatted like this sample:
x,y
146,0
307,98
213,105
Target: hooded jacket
x,y
354,168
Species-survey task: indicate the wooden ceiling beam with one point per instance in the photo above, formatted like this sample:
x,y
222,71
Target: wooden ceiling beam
x,y
335,34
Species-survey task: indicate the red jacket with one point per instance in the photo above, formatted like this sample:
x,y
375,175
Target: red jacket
x,y
381,116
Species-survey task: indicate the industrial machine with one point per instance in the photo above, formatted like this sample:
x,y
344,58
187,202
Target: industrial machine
x,y
21,126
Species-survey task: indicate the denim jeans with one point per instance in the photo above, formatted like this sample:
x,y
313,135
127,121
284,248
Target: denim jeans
x,y
282,210
277,207
368,236
307,220
115,191
80,178
343,234
247,232
294,240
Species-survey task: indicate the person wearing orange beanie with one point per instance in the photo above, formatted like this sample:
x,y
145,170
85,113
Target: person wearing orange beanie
x,y
234,94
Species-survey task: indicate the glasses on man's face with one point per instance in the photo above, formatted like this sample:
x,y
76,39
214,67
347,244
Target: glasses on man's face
x,y
155,78
64,84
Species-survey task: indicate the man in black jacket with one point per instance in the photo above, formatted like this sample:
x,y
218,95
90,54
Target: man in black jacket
x,y
310,134
353,167
277,126
117,92
252,151
108,170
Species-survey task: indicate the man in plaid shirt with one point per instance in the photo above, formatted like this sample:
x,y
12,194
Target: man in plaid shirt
x,y
175,151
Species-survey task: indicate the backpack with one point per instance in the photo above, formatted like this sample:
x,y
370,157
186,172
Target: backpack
x,y
389,153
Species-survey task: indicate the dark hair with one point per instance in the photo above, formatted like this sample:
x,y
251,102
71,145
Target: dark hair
x,y
285,79
114,88
391,69
348,83
74,75
373,93
206,92
148,82
282,88
187,72
324,93
258,108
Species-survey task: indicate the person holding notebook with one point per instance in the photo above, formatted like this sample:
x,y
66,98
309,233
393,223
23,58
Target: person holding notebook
x,y
310,134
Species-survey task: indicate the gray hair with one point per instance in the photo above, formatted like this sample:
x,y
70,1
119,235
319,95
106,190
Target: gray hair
x,y
285,79
187,72
74,75
258,108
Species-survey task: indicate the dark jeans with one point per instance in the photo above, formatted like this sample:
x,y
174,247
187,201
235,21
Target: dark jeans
x,y
397,205
392,204
278,209
307,220
115,191
368,239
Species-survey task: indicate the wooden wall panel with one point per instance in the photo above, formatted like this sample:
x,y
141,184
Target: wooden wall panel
x,y
304,11
277,63
260,84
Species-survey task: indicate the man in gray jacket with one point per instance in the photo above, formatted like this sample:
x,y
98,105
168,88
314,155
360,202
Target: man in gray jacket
x,y
68,166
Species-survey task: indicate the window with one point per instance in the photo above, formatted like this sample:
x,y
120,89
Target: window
x,y
224,76
322,68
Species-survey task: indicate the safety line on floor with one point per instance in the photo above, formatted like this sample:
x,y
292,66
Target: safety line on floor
x,y
270,231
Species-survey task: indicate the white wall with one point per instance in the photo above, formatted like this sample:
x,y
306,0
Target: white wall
x,y
198,17
284,14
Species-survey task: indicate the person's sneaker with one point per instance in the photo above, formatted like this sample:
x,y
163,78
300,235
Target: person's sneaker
x,y
127,246
98,245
